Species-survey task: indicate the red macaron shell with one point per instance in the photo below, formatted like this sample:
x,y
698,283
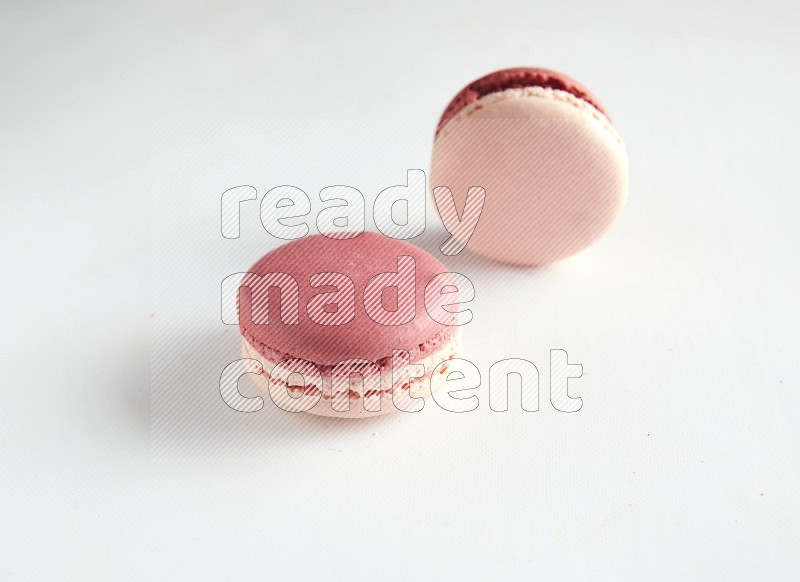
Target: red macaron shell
x,y
516,78
360,258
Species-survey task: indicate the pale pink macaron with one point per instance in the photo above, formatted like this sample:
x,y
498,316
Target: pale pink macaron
x,y
347,314
553,167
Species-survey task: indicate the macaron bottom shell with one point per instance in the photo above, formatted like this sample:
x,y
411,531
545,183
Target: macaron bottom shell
x,y
354,404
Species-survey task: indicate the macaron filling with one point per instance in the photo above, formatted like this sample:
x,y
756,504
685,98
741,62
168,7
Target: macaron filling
x,y
368,397
514,79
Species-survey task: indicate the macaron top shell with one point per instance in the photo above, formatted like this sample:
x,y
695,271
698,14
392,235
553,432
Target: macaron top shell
x,y
516,78
360,258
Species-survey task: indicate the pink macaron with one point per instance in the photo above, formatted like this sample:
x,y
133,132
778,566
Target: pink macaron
x,y
333,322
551,163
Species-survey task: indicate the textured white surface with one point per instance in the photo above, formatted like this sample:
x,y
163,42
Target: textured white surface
x,y
682,463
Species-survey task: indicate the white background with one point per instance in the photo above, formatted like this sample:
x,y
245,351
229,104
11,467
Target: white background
x,y
683,461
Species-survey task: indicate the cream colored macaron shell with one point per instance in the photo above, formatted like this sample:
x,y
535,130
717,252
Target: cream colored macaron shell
x,y
361,400
553,167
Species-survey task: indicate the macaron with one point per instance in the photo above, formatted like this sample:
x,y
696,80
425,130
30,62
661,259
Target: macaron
x,y
551,163
335,326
